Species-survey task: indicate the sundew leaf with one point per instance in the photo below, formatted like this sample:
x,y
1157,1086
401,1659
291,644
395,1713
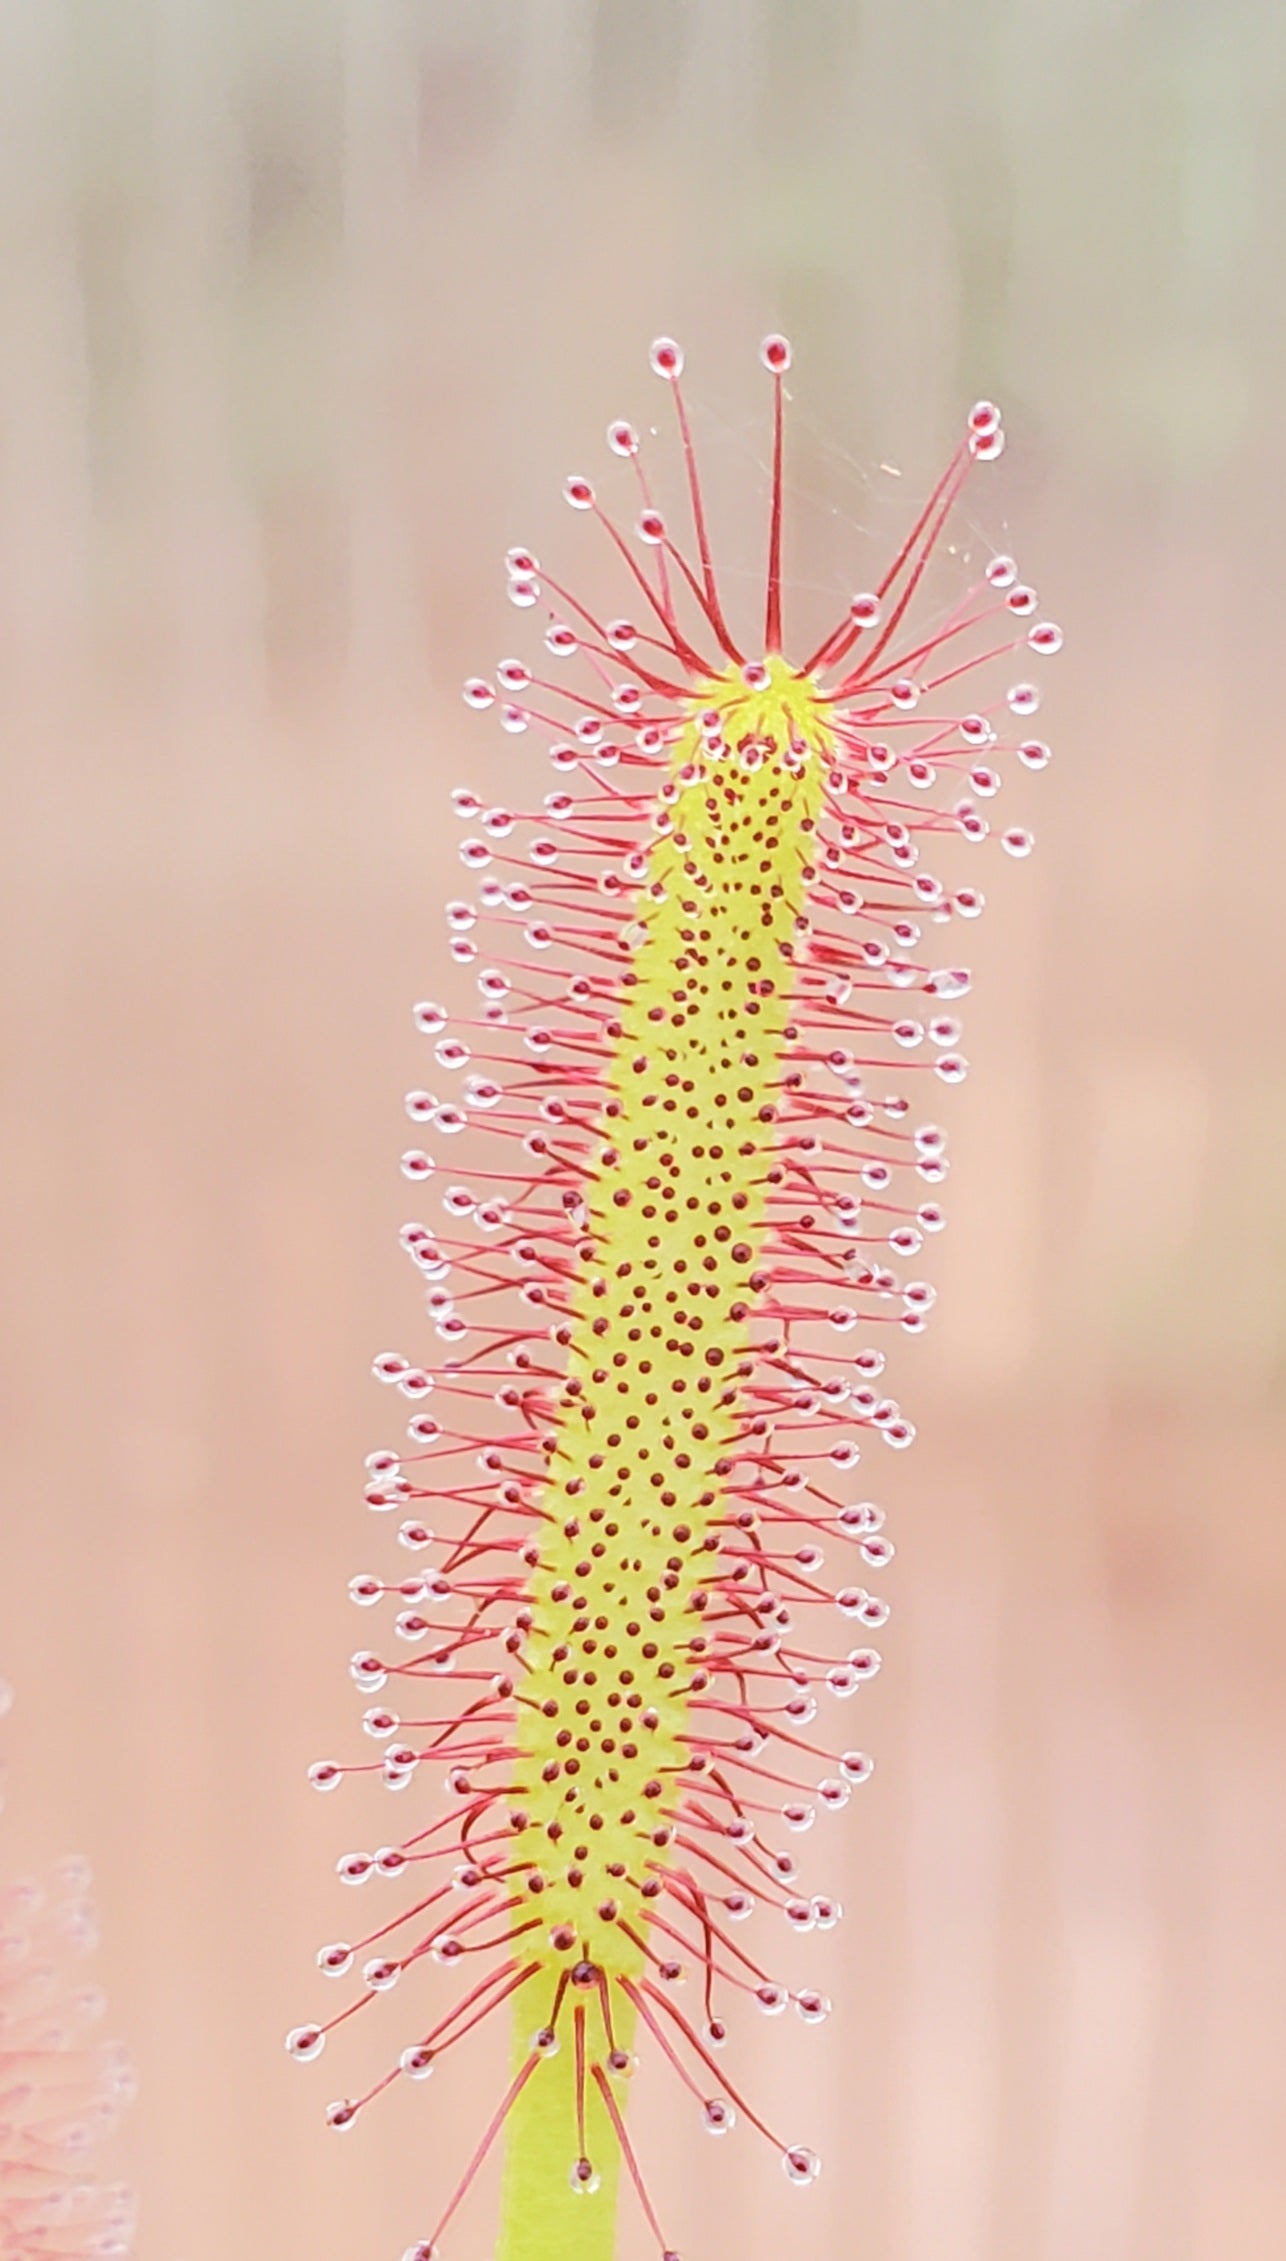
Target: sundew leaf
x,y
696,1183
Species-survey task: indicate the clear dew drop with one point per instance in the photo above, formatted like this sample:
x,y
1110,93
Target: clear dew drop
x,y
666,358
1046,637
800,2165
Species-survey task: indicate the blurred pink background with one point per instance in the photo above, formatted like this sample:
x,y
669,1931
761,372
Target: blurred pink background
x,y
307,307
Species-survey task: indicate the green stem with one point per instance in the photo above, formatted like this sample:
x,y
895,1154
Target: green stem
x,y
541,2217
